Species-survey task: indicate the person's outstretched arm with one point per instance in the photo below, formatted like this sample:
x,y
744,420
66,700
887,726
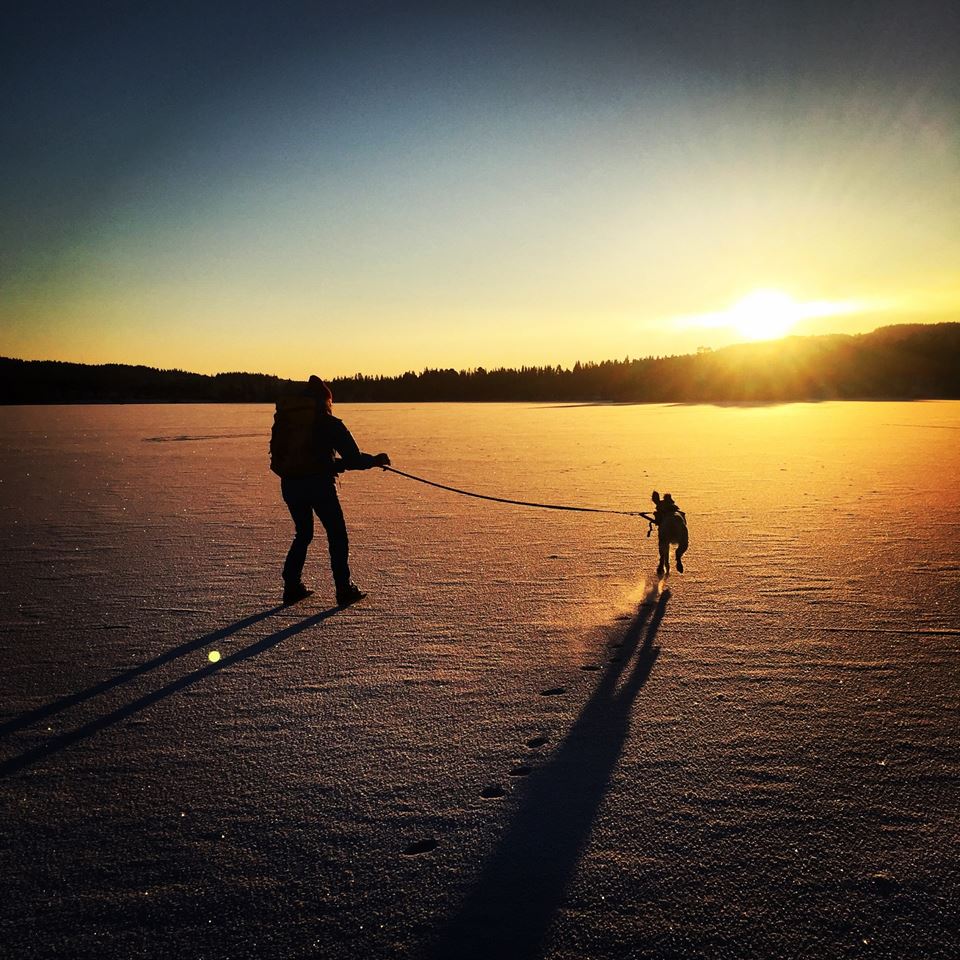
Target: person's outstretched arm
x,y
351,456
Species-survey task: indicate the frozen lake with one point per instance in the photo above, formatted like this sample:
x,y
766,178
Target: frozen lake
x,y
757,758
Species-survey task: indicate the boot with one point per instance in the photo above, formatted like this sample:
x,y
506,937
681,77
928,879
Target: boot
x,y
350,593
295,592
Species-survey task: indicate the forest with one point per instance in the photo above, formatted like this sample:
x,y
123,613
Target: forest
x,y
906,361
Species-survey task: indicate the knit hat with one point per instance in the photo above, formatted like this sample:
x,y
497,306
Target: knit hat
x,y
316,386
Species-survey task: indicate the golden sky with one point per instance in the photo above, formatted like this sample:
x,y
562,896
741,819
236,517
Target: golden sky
x,y
476,192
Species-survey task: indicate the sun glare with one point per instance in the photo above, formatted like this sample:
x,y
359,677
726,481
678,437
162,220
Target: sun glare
x,y
767,314
764,315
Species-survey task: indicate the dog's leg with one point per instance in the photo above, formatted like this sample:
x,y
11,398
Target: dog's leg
x,y
664,565
681,550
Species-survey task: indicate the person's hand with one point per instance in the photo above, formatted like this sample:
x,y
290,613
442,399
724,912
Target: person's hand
x,y
382,460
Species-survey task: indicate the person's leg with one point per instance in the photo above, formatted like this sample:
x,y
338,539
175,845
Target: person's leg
x,y
296,495
328,509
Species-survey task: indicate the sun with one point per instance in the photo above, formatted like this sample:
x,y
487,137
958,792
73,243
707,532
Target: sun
x,y
764,315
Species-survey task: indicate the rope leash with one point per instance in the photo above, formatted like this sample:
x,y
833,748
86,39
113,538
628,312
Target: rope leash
x,y
523,503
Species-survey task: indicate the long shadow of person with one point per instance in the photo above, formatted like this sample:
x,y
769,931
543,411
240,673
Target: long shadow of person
x,y
31,717
61,741
509,909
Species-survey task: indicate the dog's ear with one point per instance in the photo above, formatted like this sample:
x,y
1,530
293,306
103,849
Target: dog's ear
x,y
668,498
656,497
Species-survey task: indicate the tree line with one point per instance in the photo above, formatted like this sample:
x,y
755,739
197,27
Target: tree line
x,y
907,361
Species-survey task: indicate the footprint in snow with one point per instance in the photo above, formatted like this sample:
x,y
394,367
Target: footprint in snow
x,y
521,770
493,792
535,743
420,846
590,666
553,691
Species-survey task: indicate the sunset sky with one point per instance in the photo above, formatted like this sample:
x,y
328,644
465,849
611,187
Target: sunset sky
x,y
375,187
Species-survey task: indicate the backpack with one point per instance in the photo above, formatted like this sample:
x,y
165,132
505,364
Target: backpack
x,y
292,444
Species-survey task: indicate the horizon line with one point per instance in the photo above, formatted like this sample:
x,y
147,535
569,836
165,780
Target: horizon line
x,y
544,366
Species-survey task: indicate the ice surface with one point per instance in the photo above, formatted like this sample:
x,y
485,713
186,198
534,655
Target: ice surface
x,y
762,762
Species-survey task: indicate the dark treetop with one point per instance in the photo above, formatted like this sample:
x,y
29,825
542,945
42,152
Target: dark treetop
x,y
919,361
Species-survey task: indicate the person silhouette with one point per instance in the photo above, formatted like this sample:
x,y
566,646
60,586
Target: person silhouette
x,y
308,485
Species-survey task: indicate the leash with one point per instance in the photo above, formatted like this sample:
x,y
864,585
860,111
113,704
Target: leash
x,y
523,503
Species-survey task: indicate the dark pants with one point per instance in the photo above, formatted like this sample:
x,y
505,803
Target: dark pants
x,y
305,496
